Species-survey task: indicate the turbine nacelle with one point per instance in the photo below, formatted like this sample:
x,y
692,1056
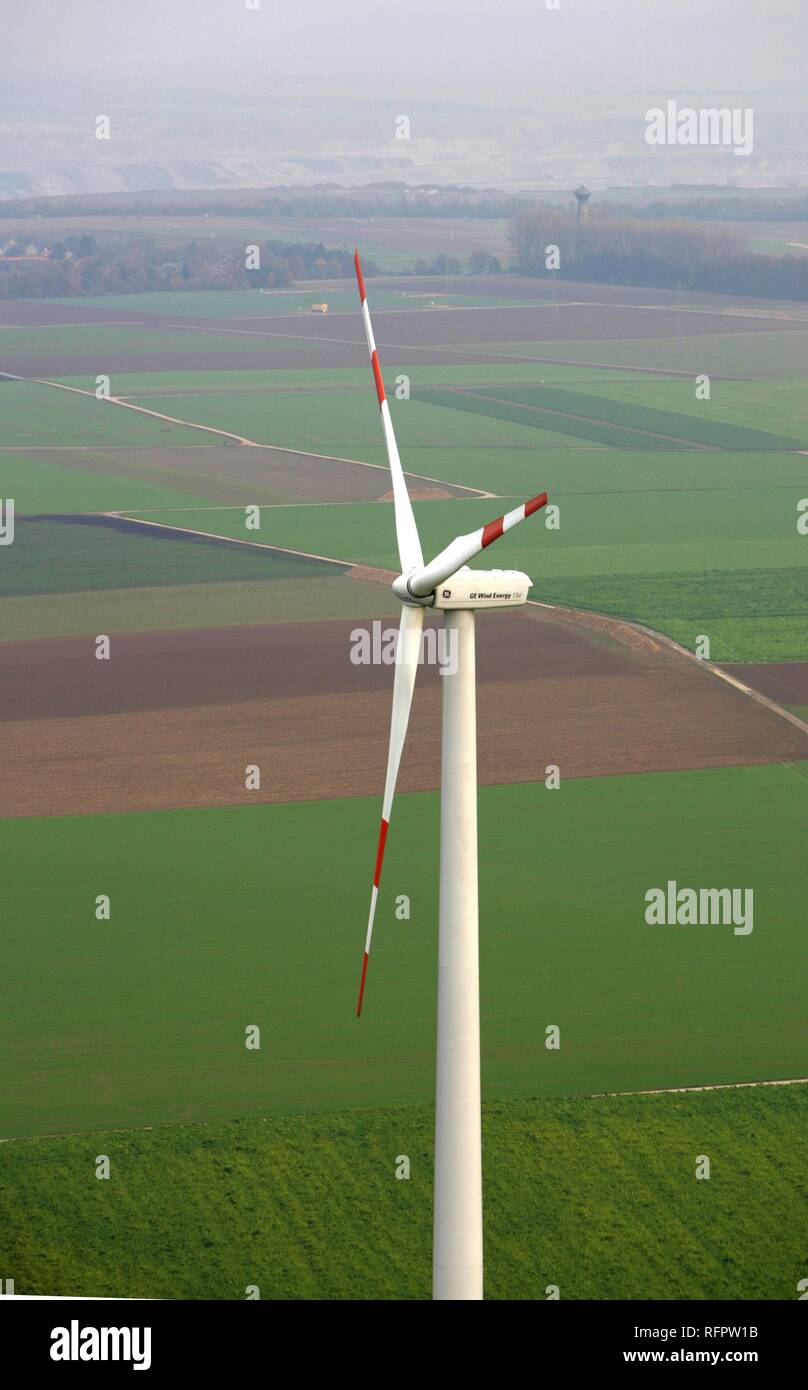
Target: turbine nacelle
x,y
468,588
422,581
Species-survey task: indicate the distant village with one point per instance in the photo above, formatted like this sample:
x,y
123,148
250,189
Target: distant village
x,y
77,265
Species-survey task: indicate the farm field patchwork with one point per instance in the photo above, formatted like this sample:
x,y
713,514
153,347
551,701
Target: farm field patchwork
x,y
725,563
72,481
131,782
176,717
343,424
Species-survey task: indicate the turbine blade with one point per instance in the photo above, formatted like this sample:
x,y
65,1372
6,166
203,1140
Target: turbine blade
x,y
464,548
407,652
409,546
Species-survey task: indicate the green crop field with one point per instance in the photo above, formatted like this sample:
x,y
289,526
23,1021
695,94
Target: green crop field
x,y
346,424
200,946
115,340
39,486
232,603
37,415
746,355
52,557
776,406
725,563
596,1197
584,409
610,436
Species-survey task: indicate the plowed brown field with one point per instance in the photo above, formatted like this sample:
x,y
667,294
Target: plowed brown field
x,y
175,718
783,681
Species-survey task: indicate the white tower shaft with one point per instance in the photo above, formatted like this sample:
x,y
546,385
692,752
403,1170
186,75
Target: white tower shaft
x,y
458,1218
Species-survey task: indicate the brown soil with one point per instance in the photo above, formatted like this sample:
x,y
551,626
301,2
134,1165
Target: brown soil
x,y
174,719
403,335
783,681
623,633
36,313
422,494
371,575
495,323
338,354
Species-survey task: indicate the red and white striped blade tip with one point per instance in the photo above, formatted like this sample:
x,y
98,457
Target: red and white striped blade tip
x,y
360,279
374,895
362,984
495,529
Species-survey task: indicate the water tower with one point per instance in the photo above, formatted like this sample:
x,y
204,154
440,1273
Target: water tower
x,y
582,196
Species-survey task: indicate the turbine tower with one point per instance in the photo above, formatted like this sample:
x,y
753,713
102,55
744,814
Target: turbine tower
x,y
447,585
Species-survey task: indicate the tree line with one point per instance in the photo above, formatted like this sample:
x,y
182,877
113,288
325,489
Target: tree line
x,y
393,200
667,254
77,266
729,207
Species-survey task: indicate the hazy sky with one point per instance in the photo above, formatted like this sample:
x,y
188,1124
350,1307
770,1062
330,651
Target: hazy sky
x,y
211,93
221,44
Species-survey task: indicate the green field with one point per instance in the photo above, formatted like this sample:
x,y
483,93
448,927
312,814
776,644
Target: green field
x,y
110,341
597,1197
231,603
341,298
142,1020
40,486
776,406
346,424
37,415
759,356
54,557
617,420
721,562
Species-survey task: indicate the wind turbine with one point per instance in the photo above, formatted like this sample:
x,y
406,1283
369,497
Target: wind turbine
x,y
447,584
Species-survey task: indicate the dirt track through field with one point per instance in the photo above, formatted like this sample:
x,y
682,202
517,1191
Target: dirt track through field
x,y
783,681
239,475
175,718
451,489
